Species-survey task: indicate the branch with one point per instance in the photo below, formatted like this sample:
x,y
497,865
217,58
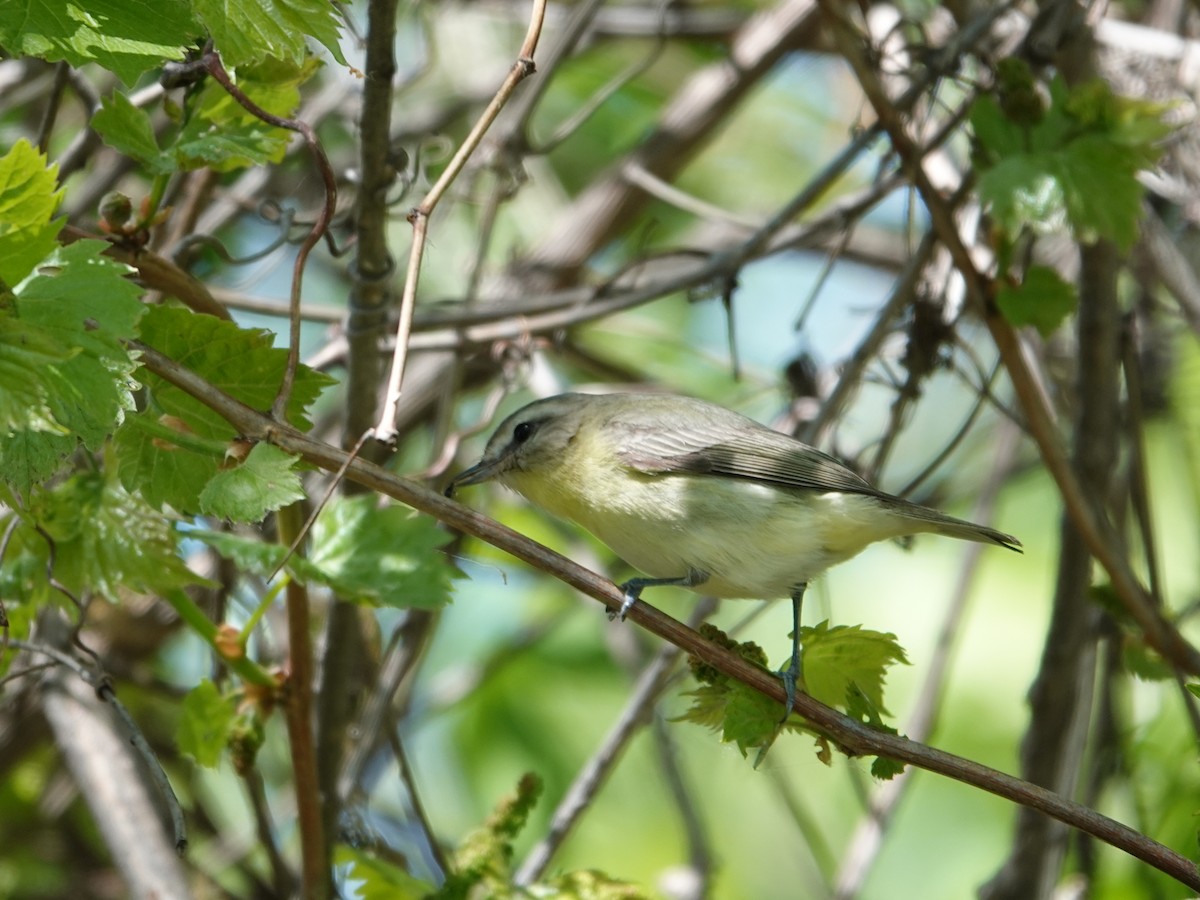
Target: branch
x,y
852,737
315,849
371,295
156,272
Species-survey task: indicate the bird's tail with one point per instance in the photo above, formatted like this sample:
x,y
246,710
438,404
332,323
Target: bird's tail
x,y
932,521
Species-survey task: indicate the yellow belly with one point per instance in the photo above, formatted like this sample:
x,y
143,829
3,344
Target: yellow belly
x,y
751,540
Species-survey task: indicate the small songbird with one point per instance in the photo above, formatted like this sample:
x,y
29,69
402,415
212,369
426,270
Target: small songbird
x,y
697,496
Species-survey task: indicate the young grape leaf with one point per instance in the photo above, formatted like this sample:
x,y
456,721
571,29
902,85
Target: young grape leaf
x,y
206,723
28,199
125,36
261,483
845,659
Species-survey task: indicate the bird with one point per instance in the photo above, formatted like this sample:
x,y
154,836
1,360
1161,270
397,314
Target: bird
x,y
695,495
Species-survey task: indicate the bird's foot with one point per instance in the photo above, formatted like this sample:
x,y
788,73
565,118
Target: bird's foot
x,y
632,592
790,676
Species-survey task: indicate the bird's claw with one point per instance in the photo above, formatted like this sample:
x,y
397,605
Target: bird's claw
x,y
631,596
789,676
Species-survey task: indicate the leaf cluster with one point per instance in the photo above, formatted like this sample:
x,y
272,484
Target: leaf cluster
x,y
129,37
160,467
1065,160
842,666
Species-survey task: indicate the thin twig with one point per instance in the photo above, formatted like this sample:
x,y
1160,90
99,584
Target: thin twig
x,y
298,710
1139,491
283,880
566,39
811,826
409,779
524,66
700,854
981,398
50,110
371,294
592,104
405,651
855,368
317,509
9,531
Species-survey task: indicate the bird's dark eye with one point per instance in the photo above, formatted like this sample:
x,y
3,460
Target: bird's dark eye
x,y
523,432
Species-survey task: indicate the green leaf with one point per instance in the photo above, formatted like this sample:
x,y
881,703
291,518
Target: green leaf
x,y
226,148
126,128
386,556
742,715
30,457
207,721
27,353
170,451
997,135
885,769
28,200
1021,192
1077,166
248,554
1144,663
81,301
23,583
107,540
375,879
78,291
242,362
157,460
751,719
222,134
260,557
841,661
262,483
708,705
126,36
1194,687
247,30
1100,189
1042,300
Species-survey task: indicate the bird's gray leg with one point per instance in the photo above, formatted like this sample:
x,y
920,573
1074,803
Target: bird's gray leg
x,y
632,589
791,674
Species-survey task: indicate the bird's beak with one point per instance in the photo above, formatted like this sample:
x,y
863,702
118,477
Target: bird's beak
x,y
480,472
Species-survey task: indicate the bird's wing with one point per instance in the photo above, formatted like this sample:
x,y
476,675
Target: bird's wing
x,y
738,448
